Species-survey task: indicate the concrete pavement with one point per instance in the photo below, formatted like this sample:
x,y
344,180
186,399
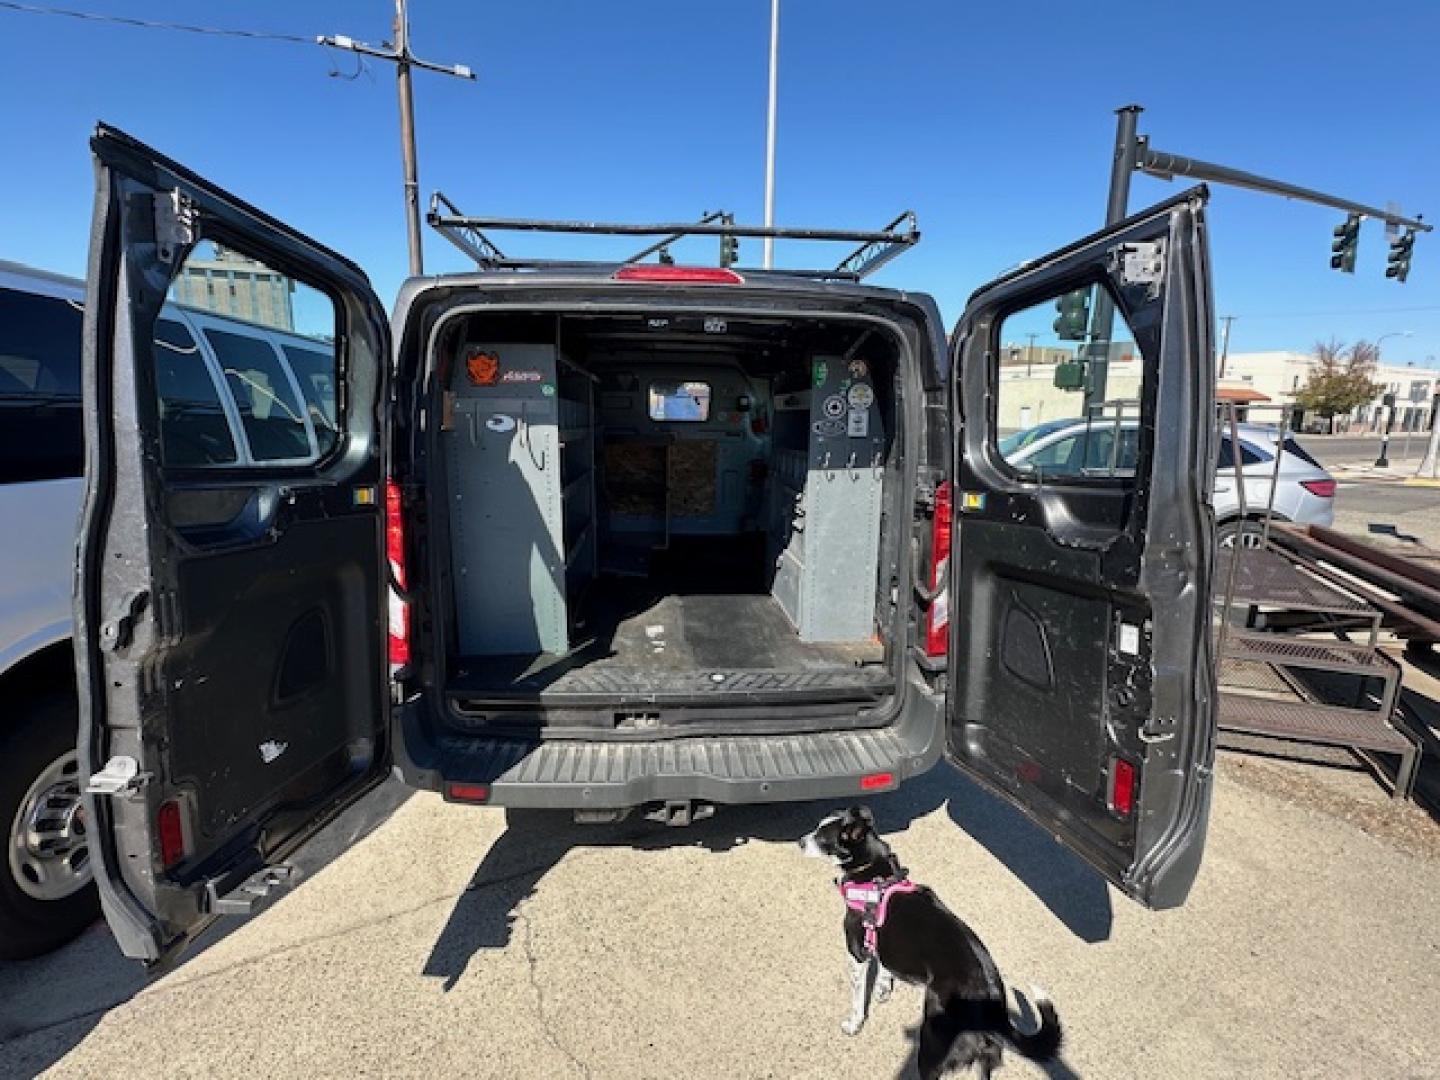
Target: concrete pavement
x,y
452,941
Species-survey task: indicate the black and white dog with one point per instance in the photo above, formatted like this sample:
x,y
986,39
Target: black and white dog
x,y
896,929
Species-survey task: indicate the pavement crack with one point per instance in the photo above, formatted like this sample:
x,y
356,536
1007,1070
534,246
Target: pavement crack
x,y
533,974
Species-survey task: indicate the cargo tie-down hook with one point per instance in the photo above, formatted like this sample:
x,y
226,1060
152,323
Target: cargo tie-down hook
x,y
525,438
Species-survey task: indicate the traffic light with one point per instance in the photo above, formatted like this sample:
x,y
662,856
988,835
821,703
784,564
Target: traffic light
x,y
729,245
1345,245
1397,263
1074,309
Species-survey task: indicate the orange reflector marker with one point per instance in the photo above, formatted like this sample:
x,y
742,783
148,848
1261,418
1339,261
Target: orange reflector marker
x,y
879,781
1122,786
467,792
172,833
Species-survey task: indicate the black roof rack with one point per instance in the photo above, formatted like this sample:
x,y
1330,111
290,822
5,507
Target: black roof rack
x,y
877,247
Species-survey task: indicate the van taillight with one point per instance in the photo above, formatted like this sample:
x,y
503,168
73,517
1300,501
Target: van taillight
x,y
471,793
937,620
1323,488
1122,786
395,553
172,833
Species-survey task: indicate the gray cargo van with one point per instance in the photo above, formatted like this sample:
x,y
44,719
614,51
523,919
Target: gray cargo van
x,y
636,537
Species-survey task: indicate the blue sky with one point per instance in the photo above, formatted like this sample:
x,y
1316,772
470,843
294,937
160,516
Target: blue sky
x,y
994,122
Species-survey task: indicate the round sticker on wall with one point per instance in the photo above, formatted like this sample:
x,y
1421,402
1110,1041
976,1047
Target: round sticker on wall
x,y
500,422
861,396
833,406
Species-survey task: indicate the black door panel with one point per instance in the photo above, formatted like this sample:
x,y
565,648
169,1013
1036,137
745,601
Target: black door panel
x,y
1081,675
229,614
243,730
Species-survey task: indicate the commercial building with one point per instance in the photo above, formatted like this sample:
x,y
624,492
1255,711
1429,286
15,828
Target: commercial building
x,y
1274,378
236,285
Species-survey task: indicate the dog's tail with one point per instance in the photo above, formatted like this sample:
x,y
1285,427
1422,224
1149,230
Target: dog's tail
x,y
1043,1043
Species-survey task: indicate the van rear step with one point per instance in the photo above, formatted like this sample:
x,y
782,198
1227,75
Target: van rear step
x,y
640,688
565,774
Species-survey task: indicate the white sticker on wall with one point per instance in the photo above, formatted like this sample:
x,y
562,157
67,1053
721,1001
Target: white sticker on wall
x,y
859,425
1129,639
501,422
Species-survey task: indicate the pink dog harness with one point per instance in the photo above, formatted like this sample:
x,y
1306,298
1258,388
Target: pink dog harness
x,y
872,900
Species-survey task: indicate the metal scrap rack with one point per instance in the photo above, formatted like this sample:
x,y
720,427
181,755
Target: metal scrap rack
x,y
876,247
1299,662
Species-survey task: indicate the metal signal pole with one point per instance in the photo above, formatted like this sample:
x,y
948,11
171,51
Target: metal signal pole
x,y
403,59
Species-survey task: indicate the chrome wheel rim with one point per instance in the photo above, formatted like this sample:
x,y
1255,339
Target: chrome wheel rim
x,y
48,849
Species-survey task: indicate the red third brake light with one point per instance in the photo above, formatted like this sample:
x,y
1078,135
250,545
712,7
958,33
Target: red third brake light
x,y
395,554
1323,488
937,620
705,275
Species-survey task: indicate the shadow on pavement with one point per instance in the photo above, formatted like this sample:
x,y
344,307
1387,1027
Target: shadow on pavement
x,y
534,841
50,1004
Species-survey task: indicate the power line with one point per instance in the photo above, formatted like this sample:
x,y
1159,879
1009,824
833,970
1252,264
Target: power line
x,y
150,24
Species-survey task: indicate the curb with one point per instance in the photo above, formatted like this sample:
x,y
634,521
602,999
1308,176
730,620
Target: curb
x,y
1366,472
1422,481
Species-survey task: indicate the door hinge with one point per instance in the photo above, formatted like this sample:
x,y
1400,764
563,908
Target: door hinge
x,y
1142,264
175,219
120,776
118,631
247,896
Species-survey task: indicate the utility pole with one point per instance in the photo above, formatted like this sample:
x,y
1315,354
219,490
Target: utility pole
x,y
769,244
1029,353
1225,343
403,59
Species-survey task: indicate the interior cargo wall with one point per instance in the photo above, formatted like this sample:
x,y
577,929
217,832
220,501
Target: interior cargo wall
x,y
680,476
825,501
502,449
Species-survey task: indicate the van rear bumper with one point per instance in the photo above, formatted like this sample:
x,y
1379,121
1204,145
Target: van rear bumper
x,y
577,774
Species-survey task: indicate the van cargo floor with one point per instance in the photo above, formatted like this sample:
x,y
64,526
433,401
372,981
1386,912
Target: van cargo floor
x,y
633,644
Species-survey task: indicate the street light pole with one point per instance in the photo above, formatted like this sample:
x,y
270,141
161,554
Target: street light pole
x,y
403,59
1383,461
770,132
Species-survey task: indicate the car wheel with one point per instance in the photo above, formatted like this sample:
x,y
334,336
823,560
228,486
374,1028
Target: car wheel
x,y
1240,533
47,888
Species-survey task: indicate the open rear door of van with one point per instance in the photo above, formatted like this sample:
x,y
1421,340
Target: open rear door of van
x,y
230,597
1082,677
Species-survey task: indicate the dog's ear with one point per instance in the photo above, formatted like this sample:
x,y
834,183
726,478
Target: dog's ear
x,y
862,813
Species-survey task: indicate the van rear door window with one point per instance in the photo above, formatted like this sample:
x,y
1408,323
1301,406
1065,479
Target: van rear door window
x,y
274,420
687,402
